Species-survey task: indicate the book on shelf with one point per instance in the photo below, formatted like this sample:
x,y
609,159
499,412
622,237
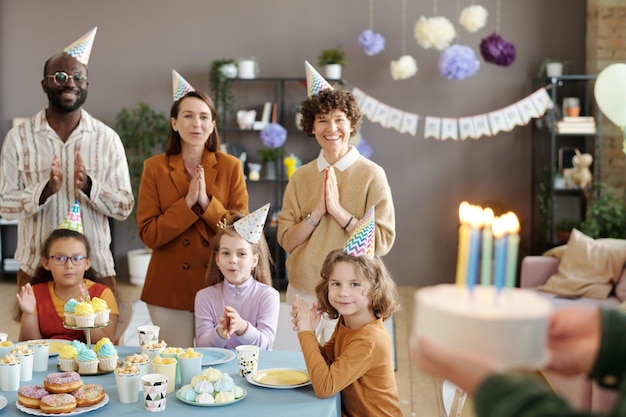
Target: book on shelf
x,y
580,124
576,129
579,119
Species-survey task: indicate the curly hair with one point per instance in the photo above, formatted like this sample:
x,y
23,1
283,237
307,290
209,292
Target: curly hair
x,y
262,272
382,290
326,101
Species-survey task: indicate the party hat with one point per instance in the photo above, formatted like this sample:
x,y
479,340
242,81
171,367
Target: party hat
x,y
73,220
251,226
180,86
81,48
362,240
314,81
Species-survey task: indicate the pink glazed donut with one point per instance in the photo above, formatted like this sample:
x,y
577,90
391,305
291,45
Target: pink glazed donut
x,y
62,382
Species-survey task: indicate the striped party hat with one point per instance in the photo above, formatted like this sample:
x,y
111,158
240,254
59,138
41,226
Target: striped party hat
x,y
362,239
180,86
251,227
73,219
81,48
314,81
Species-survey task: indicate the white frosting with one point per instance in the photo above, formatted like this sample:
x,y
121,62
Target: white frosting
x,y
511,327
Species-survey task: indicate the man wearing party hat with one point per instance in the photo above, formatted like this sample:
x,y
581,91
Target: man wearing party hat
x,y
325,198
61,155
185,192
239,306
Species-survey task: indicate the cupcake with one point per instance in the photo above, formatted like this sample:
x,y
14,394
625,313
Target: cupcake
x,y
103,341
69,308
87,362
78,345
107,355
101,309
84,315
67,358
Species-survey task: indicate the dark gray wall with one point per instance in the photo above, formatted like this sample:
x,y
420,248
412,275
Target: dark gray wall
x,y
139,42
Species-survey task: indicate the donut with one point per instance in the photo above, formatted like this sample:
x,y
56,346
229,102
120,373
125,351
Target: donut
x,y
88,394
62,382
57,403
29,395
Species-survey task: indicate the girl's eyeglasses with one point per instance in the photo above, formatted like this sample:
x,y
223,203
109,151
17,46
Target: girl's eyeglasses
x,y
60,260
61,78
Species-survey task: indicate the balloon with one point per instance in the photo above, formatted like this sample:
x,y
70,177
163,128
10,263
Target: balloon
x,y
610,93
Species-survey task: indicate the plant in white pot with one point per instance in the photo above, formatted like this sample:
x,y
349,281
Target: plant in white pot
x,y
143,132
333,61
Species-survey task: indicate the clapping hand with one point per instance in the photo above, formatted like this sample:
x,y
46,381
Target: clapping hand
x,y
231,323
81,179
303,317
56,175
26,299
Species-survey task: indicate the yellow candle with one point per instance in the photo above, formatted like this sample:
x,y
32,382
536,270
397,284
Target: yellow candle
x,y
512,249
487,248
464,235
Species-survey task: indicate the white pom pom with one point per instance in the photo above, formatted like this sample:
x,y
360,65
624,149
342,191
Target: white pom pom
x,y
473,17
435,32
403,68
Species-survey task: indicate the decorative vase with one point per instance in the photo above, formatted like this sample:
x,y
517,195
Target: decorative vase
x,y
269,170
554,69
138,261
333,71
247,69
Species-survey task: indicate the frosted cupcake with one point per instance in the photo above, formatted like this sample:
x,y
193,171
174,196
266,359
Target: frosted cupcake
x,y
69,308
87,362
107,355
101,309
101,342
84,315
67,358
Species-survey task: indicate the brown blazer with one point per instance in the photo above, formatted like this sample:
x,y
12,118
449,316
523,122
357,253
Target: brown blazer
x,y
181,239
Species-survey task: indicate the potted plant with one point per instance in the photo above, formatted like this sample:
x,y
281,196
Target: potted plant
x,y
564,228
606,218
221,76
269,156
143,132
332,60
551,67
248,68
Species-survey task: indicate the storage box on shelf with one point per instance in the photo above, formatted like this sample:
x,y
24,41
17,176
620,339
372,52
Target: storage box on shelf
x,y
556,200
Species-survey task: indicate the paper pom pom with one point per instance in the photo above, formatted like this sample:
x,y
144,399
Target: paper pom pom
x,y
473,18
403,68
372,43
458,62
434,32
273,135
365,149
496,50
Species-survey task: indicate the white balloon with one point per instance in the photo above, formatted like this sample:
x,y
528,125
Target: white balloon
x,y
610,93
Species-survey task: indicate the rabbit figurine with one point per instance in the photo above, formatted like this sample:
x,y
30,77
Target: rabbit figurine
x,y
580,174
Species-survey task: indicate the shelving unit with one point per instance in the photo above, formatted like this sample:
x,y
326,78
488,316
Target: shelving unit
x,y
8,237
251,94
553,204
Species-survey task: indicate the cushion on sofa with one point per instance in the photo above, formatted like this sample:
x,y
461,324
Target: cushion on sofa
x,y
588,267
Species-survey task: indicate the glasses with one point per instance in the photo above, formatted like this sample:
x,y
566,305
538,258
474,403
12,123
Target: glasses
x,y
61,78
61,260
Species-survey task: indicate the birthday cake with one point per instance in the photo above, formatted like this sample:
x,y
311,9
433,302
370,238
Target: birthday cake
x,y
510,326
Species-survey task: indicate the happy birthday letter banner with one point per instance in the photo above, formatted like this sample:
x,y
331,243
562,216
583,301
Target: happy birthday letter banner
x,y
519,113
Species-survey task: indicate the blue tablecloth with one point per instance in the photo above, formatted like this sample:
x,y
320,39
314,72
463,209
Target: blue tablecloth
x,y
259,402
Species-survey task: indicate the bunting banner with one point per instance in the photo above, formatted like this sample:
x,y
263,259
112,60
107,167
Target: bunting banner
x,y
476,126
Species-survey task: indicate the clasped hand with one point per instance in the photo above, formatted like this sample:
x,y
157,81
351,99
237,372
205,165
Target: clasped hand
x,y
303,317
197,190
231,323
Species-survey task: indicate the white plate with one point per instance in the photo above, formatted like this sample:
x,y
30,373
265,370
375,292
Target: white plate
x,y
279,378
78,410
215,356
3,402
214,404
57,344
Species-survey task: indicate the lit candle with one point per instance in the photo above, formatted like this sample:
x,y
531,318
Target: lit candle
x,y
487,249
512,249
464,232
476,214
499,264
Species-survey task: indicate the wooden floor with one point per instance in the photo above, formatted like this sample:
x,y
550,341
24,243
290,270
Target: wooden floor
x,y
420,394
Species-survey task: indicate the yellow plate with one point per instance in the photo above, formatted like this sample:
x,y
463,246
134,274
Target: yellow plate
x,y
279,377
56,345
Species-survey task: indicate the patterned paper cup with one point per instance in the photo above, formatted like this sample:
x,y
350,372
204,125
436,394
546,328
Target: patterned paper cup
x,y
154,391
147,334
247,359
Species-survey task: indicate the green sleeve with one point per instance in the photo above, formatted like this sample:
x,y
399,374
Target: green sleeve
x,y
610,366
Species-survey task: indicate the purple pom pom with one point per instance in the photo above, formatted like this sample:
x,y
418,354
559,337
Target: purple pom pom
x,y
365,149
372,43
273,135
496,50
458,62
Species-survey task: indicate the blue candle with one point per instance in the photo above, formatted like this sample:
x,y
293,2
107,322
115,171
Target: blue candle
x,y
487,248
474,246
499,265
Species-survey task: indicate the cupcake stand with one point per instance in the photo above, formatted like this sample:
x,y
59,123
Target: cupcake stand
x,y
87,330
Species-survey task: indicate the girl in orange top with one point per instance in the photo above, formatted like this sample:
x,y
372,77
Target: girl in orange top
x,y
65,272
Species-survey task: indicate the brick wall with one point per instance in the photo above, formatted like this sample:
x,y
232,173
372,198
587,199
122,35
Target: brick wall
x,y
606,45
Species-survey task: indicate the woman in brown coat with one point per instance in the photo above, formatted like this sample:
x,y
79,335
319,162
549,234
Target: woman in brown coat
x,y
184,193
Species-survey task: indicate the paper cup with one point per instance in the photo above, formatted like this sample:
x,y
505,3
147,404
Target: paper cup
x,y
10,376
41,354
147,334
26,370
169,370
247,359
172,352
128,386
3,337
154,391
189,367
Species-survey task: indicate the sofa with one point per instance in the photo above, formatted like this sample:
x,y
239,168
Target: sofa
x,y
537,271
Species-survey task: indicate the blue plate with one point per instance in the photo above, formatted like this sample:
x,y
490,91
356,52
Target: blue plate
x,y
215,356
